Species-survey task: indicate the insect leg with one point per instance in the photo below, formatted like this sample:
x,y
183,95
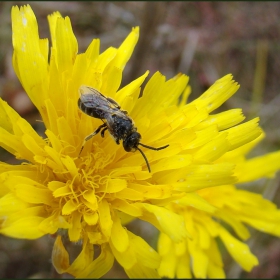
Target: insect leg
x,y
103,131
93,134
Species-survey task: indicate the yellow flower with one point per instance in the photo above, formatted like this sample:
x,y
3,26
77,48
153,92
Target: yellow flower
x,y
89,197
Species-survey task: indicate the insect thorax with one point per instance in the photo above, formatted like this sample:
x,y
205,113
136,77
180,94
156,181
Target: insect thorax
x,y
121,127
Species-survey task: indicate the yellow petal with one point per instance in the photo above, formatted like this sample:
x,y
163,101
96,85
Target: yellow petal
x,y
26,41
235,223
213,149
53,159
83,260
201,176
34,195
18,178
104,59
130,89
204,237
75,231
11,144
54,185
8,116
105,219
32,145
239,251
126,259
184,97
152,191
125,219
60,257
52,223
259,167
90,196
92,51
24,228
91,206
95,237
9,203
126,48
91,219
100,265
243,133
215,271
55,142
196,201
166,221
56,99
112,78
70,166
124,206
151,95
61,192
223,120
52,24
164,245
173,162
168,266
140,271
65,131
199,259
69,207
183,267
217,94
215,254
130,194
263,224
144,252
113,186
119,236
117,172
65,43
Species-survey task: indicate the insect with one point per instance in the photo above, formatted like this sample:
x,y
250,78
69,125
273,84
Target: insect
x,y
115,120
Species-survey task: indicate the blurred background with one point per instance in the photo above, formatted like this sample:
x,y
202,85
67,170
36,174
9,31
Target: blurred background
x,y
205,40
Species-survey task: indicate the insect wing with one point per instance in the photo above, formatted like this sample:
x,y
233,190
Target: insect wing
x,y
92,98
93,103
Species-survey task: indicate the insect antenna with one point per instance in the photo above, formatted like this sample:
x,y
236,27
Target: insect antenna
x,y
153,148
148,165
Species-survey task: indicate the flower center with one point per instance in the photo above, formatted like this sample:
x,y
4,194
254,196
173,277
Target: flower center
x,y
95,161
88,187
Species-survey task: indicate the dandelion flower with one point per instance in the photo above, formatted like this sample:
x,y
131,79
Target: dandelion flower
x,y
88,198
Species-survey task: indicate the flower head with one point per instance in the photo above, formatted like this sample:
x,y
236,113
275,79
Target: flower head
x,y
88,197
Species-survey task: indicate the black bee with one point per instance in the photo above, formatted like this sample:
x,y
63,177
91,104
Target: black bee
x,y
117,121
